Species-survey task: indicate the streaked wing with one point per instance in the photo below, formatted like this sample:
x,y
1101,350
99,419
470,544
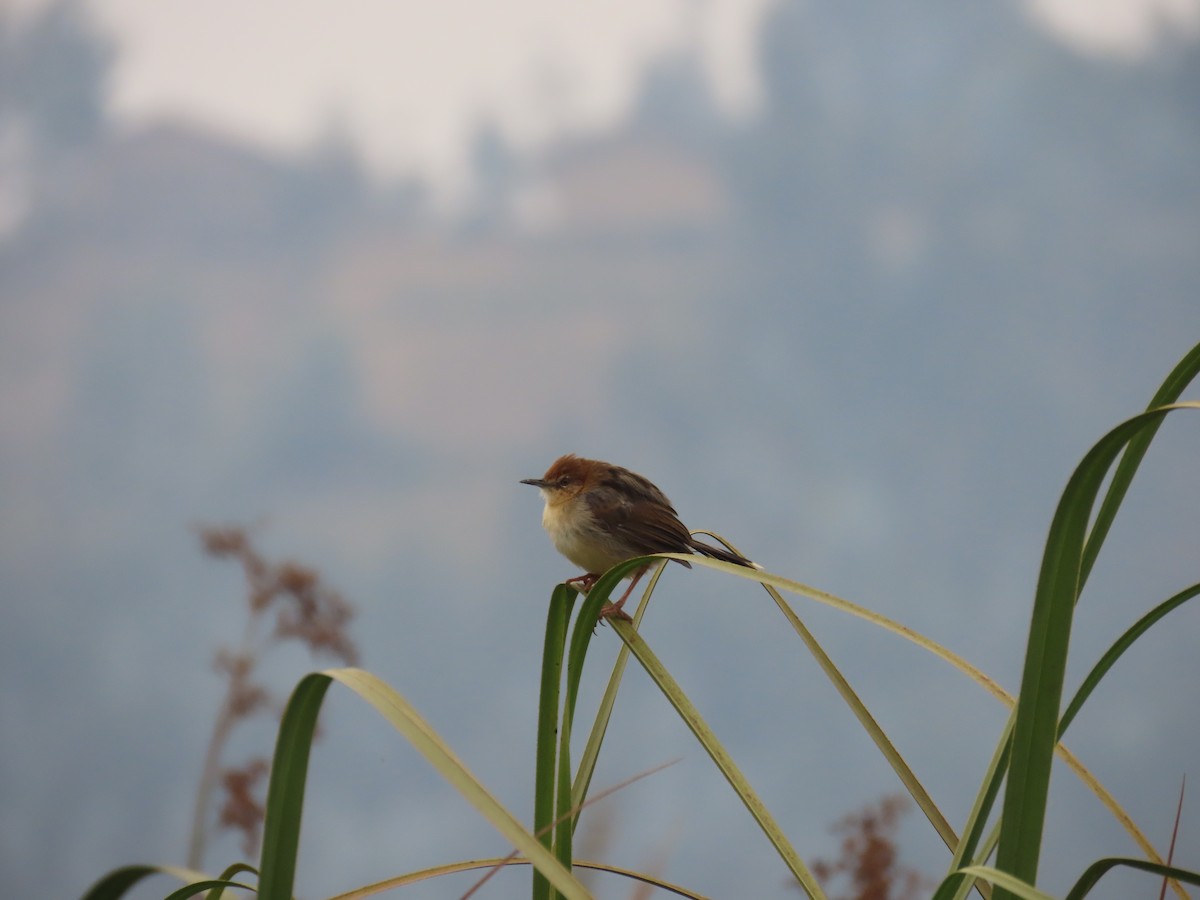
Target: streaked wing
x,y
644,524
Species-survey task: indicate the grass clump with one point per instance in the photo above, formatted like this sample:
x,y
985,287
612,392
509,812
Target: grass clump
x,y
996,850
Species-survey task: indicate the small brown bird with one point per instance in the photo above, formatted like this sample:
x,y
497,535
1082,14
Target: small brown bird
x,y
598,515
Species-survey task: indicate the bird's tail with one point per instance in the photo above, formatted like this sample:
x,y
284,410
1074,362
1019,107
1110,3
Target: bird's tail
x,y
722,554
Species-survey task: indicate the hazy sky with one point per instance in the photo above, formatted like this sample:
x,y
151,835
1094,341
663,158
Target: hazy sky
x,y
875,378
410,80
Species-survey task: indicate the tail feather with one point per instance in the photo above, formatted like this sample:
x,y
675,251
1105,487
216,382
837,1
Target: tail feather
x,y
722,554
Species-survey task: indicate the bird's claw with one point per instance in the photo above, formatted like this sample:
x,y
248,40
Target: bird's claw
x,y
583,583
614,611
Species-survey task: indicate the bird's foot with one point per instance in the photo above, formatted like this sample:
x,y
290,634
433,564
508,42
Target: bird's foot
x,y
614,611
583,583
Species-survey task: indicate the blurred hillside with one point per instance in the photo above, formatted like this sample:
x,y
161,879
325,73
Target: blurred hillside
x,y
909,171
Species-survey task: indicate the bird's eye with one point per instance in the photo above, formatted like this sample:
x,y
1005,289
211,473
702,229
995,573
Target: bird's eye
x,y
564,480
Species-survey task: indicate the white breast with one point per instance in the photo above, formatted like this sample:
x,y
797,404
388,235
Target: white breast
x,y
576,536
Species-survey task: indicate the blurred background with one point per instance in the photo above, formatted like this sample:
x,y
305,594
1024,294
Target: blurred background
x,y
856,284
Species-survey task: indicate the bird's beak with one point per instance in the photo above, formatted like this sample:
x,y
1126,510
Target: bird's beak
x,y
536,482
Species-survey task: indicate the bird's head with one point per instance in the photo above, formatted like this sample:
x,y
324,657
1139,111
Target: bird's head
x,y
566,478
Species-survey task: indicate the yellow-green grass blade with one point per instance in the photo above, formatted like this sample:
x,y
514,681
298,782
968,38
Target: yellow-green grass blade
x,y
421,735
958,882
980,810
1100,868
974,673
874,730
227,877
1180,377
1035,733
612,789
717,752
400,881
795,587
289,772
988,847
1006,882
907,777
557,618
214,887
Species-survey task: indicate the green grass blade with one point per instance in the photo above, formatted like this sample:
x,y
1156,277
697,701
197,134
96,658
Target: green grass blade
x,y
717,752
585,622
581,636
1035,732
114,884
557,619
564,830
995,775
999,765
285,794
1181,376
1100,868
1123,643
117,882
591,749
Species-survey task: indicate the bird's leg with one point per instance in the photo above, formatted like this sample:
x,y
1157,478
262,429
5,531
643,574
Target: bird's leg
x,y
614,610
583,582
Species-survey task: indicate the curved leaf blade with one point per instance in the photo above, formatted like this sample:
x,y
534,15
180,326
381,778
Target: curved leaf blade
x,y
1102,867
1035,732
719,755
405,719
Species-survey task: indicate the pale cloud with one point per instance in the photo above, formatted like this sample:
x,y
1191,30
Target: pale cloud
x,y
1121,27
410,80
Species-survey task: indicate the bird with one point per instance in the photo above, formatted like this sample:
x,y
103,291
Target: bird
x,y
598,514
